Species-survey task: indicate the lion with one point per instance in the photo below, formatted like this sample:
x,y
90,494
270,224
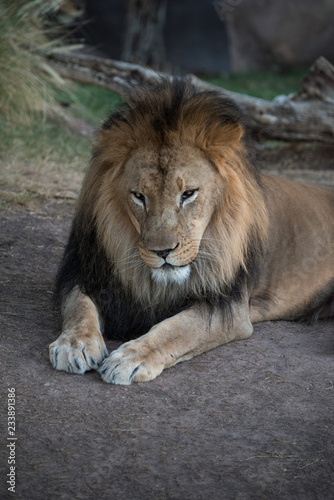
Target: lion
x,y
179,245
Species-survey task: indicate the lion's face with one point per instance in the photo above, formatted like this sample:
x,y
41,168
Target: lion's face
x,y
174,200
171,196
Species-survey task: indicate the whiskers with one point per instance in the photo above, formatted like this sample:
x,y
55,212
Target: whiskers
x,y
130,261
207,276
209,268
208,251
131,253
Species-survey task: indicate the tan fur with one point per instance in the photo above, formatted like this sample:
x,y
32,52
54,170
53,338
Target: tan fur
x,y
300,256
80,347
190,191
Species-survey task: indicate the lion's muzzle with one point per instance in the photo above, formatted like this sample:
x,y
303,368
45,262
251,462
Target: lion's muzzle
x,y
179,256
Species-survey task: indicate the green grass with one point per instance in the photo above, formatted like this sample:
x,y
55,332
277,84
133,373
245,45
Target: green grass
x,y
47,139
91,104
265,84
45,158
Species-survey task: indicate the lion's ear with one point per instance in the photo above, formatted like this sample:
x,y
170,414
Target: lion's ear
x,y
217,135
230,133
221,141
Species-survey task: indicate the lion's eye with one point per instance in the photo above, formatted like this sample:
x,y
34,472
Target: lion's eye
x,y
138,196
190,195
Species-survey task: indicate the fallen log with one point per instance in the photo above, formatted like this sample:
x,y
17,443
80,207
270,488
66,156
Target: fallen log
x,y
318,83
289,156
304,117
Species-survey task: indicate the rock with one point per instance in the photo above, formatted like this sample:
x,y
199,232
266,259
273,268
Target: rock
x,y
266,34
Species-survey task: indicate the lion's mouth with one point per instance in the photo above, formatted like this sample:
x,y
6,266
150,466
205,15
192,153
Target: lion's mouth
x,y
168,273
171,266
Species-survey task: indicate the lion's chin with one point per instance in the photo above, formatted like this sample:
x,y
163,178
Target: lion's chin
x,y
171,274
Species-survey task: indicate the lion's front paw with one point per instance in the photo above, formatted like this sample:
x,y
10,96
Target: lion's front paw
x,y
77,355
131,363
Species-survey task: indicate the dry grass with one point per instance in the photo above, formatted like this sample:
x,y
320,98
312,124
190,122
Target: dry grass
x,y
44,159
41,161
28,90
38,156
27,83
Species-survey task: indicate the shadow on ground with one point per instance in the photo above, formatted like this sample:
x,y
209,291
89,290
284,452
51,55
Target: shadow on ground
x,y
250,420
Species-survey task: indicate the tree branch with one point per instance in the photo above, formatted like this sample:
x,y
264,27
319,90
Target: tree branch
x,y
308,116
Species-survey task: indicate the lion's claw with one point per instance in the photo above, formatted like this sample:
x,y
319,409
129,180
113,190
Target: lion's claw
x,y
127,365
73,355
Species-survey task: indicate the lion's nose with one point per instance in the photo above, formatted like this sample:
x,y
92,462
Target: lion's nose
x,y
164,253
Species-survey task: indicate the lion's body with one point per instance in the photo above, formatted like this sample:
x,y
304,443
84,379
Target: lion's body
x,y
296,277
179,241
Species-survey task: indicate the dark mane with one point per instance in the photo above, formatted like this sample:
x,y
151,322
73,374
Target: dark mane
x,y
164,101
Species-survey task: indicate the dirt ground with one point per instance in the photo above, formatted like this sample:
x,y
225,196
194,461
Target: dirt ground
x,y
250,420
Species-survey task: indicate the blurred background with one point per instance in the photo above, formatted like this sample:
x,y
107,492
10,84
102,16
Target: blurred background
x,y
260,48
204,36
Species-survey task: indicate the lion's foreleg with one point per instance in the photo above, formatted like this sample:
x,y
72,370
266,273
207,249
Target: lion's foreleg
x,y
80,347
176,339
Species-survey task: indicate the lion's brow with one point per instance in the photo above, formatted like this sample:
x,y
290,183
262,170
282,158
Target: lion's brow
x,y
163,162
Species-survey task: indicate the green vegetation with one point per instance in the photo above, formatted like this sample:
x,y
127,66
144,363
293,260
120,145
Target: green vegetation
x,y
91,104
44,157
265,84
46,137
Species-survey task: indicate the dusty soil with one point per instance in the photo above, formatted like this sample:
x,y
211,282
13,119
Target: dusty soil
x,y
250,420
